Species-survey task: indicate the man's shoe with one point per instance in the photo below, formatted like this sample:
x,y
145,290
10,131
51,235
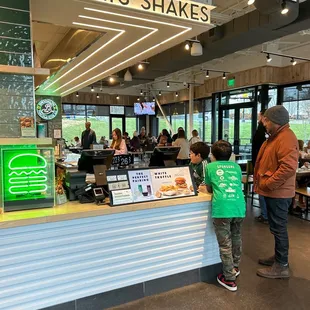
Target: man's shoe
x,y
277,271
267,261
230,285
261,219
237,271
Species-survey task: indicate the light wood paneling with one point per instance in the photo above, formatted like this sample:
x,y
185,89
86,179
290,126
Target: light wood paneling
x,y
251,77
104,99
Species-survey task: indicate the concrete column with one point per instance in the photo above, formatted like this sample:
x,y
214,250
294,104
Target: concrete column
x,y
191,108
16,91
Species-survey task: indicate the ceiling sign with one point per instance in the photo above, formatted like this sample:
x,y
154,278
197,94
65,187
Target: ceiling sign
x,y
47,109
192,11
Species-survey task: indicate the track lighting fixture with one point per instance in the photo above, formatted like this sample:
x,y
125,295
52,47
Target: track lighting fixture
x,y
159,93
224,75
97,96
77,95
250,2
176,94
92,88
196,49
187,46
168,85
140,67
207,74
188,86
117,97
284,7
141,92
111,79
268,58
153,98
138,98
127,76
291,57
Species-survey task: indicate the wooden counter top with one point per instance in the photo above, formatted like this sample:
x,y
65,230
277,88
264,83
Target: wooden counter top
x,y
75,210
23,141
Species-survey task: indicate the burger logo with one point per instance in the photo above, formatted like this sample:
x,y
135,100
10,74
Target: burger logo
x,y
27,175
47,109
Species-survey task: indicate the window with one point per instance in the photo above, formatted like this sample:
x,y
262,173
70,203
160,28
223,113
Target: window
x,y
162,124
297,102
131,125
177,116
100,124
72,126
197,118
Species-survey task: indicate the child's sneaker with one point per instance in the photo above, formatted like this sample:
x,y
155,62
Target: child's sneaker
x,y
237,271
230,285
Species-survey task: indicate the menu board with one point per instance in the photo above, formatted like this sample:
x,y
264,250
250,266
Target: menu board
x,y
142,185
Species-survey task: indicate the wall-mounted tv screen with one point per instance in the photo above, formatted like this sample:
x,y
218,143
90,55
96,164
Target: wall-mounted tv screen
x,y
144,108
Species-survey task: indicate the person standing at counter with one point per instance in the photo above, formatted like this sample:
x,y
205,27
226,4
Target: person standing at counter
x,y
88,137
199,153
223,178
274,178
118,144
182,142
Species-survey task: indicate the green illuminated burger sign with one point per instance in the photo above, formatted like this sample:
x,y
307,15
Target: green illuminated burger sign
x,y
47,109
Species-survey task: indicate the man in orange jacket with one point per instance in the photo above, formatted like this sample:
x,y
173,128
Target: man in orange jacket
x,y
274,178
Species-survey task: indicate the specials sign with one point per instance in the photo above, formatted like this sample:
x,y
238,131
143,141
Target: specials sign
x,y
189,10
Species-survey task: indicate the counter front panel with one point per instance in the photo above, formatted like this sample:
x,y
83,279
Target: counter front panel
x,y
47,264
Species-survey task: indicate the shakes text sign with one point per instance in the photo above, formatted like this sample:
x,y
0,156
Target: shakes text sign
x,y
192,11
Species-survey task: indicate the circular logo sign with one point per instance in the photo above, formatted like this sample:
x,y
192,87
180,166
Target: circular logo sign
x,y
47,109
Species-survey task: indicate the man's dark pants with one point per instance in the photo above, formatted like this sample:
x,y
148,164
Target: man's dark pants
x,y
277,210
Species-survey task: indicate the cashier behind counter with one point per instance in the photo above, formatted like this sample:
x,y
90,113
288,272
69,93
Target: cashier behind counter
x,y
91,162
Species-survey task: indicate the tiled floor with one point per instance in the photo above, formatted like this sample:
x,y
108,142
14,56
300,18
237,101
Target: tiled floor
x,y
253,292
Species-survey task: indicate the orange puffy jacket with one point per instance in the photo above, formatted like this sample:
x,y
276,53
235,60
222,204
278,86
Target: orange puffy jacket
x,y
276,165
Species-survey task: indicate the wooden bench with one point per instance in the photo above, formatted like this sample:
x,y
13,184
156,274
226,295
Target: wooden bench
x,y
303,191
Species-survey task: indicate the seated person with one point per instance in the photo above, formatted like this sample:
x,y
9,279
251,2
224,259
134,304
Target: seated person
x,y
307,148
135,144
199,153
163,141
104,141
127,139
182,142
118,144
302,153
77,142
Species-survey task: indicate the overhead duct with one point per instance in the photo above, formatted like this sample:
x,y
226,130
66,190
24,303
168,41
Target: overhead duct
x,y
273,8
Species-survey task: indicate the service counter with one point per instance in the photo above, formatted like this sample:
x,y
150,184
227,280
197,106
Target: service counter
x,y
70,252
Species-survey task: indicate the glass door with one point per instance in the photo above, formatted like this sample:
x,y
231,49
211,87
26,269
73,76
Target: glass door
x,y
236,127
117,122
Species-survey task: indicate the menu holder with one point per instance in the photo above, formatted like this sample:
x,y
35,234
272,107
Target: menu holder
x,y
150,184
